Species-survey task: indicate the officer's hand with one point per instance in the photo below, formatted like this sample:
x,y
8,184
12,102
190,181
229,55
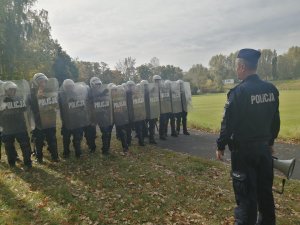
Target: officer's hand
x,y
219,154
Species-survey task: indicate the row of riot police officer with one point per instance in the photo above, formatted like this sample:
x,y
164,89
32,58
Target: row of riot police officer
x,y
82,107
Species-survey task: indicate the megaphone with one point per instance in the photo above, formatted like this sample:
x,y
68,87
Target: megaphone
x,y
286,167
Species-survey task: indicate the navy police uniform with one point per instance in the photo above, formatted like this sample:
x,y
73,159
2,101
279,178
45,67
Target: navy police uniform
x,y
250,124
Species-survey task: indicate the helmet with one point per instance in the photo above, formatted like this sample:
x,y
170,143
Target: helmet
x,y
143,82
94,81
180,81
156,77
39,77
167,82
111,85
9,85
130,82
68,85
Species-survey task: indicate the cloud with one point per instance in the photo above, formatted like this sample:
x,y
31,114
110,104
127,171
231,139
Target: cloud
x,y
178,32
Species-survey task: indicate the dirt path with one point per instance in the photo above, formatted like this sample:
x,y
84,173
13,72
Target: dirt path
x,y
204,144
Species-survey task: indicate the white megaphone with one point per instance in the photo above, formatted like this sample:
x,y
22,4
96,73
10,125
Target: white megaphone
x,y
286,167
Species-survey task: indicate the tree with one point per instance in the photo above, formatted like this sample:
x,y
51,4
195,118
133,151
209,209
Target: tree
x,y
127,68
144,72
198,76
154,62
64,67
170,72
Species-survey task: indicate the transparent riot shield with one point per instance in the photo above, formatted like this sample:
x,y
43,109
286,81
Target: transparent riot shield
x,y
139,108
186,96
120,112
101,106
176,97
152,101
14,107
165,98
74,107
44,104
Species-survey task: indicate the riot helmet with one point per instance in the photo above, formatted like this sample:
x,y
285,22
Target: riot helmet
x,y
95,82
156,78
10,88
68,85
143,82
39,79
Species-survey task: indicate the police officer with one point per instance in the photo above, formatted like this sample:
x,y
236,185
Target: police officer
x,y
182,116
170,116
74,115
163,115
13,121
136,112
44,103
101,112
250,124
120,114
151,96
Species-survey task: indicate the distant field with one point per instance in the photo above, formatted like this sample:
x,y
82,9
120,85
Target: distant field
x,y
207,113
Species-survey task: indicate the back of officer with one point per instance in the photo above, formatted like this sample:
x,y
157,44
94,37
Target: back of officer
x,y
44,105
250,124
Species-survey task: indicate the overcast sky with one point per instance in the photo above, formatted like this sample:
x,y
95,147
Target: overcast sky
x,y
178,32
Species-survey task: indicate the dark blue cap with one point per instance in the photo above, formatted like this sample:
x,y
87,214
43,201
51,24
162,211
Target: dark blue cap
x,y
250,55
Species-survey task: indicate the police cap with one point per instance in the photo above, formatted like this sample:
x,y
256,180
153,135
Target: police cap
x,y
250,55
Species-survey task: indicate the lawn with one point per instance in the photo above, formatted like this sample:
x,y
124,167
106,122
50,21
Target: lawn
x,y
208,110
150,186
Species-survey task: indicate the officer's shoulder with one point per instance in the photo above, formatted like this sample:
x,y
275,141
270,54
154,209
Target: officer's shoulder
x,y
270,86
236,89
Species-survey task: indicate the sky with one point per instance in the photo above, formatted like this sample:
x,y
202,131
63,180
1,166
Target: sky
x,y
178,32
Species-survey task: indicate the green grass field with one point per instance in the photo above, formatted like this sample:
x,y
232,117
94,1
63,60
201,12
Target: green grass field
x,y
208,110
150,186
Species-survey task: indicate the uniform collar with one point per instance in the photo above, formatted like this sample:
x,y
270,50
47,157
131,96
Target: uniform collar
x,y
251,77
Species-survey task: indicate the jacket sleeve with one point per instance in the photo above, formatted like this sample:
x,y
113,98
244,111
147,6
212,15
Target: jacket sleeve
x,y
229,120
275,126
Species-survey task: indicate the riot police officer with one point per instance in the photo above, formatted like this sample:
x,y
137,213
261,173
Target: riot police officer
x,y
165,105
174,104
136,110
181,117
151,96
250,124
74,114
101,111
44,105
13,109
120,114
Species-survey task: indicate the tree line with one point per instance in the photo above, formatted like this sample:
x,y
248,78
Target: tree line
x,y
27,47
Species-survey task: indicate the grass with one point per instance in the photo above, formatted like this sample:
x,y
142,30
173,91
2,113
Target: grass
x,y
208,110
150,186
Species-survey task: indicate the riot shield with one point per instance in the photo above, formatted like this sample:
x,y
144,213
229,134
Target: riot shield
x,y
101,107
120,111
152,101
165,98
74,107
176,97
14,108
186,96
138,99
44,104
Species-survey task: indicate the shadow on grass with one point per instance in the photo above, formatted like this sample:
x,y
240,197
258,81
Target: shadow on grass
x,y
17,208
